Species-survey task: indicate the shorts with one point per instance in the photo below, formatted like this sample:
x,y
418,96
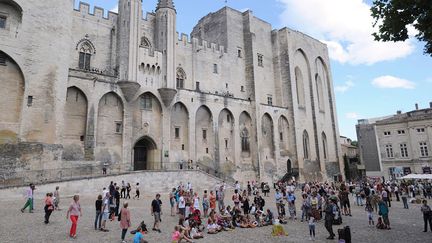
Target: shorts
x,y
182,211
105,216
172,202
346,204
157,217
370,216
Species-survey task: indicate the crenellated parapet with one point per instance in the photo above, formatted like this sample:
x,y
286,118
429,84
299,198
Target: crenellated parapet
x,y
200,45
98,13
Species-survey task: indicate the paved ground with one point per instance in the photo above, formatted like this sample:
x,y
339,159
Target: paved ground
x,y
407,226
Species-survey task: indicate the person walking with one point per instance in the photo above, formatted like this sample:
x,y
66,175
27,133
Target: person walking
x,y
128,190
330,212
123,190
98,218
29,201
74,212
125,220
56,198
156,211
396,192
105,212
49,206
427,215
117,201
137,191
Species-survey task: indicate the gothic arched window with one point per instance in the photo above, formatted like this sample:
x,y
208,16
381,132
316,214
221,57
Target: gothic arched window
x,y
306,145
244,140
181,76
85,53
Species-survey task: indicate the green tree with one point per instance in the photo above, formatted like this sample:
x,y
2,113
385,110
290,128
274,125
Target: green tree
x,y
393,16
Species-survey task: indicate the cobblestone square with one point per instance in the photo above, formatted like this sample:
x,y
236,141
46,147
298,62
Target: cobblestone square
x,y
407,225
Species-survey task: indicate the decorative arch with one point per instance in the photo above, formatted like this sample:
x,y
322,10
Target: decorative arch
x,y
226,136
12,90
306,145
145,42
145,154
149,101
180,78
75,119
85,51
302,76
15,7
179,144
267,129
204,136
245,125
324,144
283,128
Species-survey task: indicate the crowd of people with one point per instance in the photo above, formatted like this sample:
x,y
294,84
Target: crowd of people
x,y
212,212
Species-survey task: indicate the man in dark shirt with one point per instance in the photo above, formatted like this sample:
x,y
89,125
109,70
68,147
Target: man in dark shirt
x,y
329,216
117,200
156,211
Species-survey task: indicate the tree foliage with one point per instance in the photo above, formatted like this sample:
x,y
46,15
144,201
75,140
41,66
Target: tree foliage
x,y
393,16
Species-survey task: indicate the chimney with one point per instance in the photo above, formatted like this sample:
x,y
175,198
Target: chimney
x,y
416,106
430,104
399,112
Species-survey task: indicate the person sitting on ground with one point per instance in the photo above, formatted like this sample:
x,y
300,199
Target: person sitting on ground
x,y
139,236
143,227
212,227
268,220
195,232
252,209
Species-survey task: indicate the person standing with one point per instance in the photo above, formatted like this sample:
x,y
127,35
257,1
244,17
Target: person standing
x,y
396,192
196,201
74,212
279,201
49,206
105,212
57,198
205,203
182,204
172,201
125,221
329,217
427,215
137,191
404,197
212,199
117,201
123,190
29,201
128,190
384,212
98,218
156,211
221,198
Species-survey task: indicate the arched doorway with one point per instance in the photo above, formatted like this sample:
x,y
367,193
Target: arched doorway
x,y
144,154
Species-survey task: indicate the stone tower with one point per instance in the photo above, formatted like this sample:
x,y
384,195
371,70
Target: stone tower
x,y
130,14
165,39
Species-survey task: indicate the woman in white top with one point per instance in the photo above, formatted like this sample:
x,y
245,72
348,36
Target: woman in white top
x,y
196,201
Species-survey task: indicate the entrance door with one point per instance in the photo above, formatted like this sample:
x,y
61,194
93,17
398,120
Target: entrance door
x,y
141,153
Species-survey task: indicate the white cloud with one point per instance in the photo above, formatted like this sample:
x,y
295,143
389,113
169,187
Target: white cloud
x,y
391,82
346,27
115,9
352,115
345,87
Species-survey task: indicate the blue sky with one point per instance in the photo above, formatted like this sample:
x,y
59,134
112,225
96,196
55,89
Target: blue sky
x,y
371,79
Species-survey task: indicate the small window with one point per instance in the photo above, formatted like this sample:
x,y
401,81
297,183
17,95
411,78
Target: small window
x,y
2,22
146,102
82,138
118,127
29,100
424,152
404,150
215,68
177,132
226,143
387,133
281,136
269,100
242,88
400,132
197,85
84,61
389,150
206,150
204,134
239,53
226,85
183,147
420,130
260,60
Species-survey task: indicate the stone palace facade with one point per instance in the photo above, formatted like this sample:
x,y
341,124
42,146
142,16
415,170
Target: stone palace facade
x,y
82,87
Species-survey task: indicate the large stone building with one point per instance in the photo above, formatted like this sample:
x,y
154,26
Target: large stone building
x,y
79,87
396,145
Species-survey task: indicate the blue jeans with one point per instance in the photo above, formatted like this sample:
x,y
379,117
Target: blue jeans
x,y
98,219
405,202
359,200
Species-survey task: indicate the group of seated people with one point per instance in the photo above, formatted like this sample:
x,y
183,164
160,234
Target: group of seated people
x,y
192,227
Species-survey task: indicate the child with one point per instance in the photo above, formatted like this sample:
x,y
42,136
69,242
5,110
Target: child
x,y
139,237
369,209
176,234
380,224
311,227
